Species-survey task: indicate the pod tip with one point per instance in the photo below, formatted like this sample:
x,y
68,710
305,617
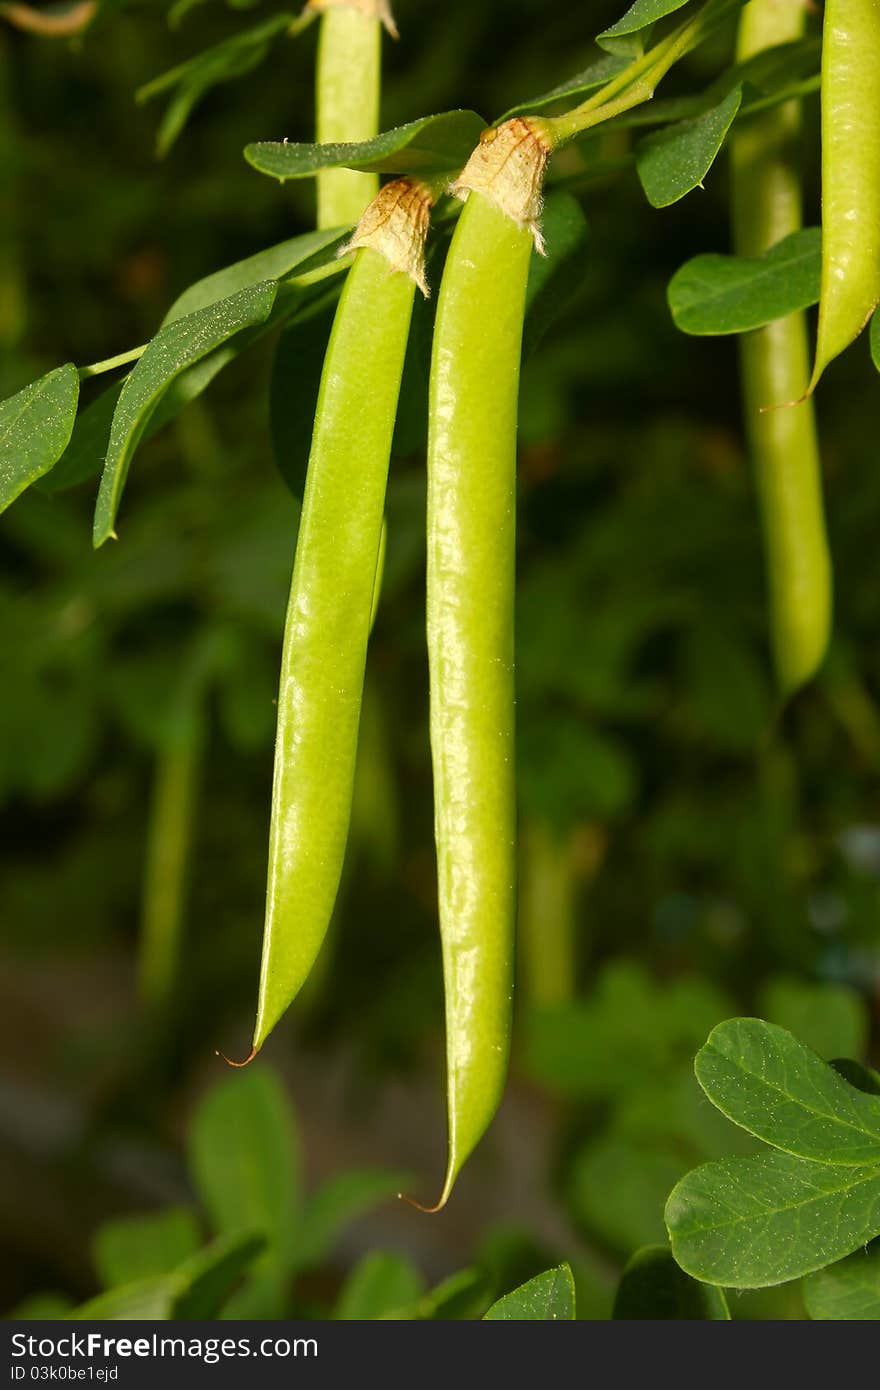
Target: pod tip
x,y
230,1063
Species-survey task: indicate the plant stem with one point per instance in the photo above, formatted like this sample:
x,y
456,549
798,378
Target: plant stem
x,y
637,83
347,107
168,849
766,204
122,359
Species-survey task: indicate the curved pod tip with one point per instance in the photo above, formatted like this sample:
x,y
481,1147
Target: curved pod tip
x,y
230,1063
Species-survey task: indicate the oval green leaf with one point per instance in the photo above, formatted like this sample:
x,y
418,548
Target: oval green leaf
x,y
734,294
35,428
432,145
750,1222
768,1083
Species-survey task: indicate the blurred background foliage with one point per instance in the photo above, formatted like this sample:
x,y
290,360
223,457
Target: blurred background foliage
x,y
689,850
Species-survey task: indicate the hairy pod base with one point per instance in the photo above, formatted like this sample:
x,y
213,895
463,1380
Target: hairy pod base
x,y
507,167
396,225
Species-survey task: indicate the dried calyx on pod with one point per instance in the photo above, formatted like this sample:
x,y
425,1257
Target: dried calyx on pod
x,y
396,224
507,167
373,9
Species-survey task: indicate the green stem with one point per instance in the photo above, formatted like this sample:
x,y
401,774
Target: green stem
x,y
347,107
122,359
775,368
168,848
637,83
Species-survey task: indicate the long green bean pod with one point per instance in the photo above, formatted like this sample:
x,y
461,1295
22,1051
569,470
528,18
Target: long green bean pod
x,y
470,613
347,91
331,597
775,369
850,287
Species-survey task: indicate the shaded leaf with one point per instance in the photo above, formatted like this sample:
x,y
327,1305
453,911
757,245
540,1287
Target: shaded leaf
x,y
676,160
749,1222
175,348
584,82
618,1189
549,1297
245,1159
35,427
734,294
196,1289
432,145
293,391
381,1285
653,1286
848,1291
336,1204
133,1248
460,1297
302,254
554,278
191,80
831,1019
767,1082
640,15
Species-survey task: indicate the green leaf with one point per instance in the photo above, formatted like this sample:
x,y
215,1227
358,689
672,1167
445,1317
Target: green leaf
x,y
433,145
862,1077
206,1278
35,427
85,454
734,294
767,1082
678,158
549,1297
133,1248
197,1289
831,1019
191,80
381,1285
617,1190
175,348
302,254
42,1307
640,15
555,277
245,1159
749,1222
653,1287
596,75
293,391
874,340
336,1205
848,1291
461,1297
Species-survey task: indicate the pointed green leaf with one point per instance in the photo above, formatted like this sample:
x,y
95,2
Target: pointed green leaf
x,y
244,1155
191,80
147,1300
549,1297
205,1280
677,159
573,88
734,294
175,348
381,1285
640,15
460,1298
848,1291
35,427
763,1079
875,340
749,1222
139,1247
433,145
653,1286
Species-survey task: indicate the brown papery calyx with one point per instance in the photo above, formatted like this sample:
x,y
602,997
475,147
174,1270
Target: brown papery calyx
x,y
373,9
396,225
508,167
